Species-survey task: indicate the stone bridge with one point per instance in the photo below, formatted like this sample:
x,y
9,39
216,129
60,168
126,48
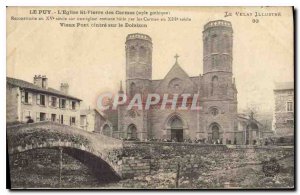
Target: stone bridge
x,y
114,159
98,152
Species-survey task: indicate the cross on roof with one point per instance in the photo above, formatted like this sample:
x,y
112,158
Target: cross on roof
x,y
176,57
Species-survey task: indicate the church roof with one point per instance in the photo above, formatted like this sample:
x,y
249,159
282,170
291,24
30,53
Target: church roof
x,y
175,72
176,67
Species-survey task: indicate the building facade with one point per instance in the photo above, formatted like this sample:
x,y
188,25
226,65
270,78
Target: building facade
x,y
284,109
216,118
38,102
93,120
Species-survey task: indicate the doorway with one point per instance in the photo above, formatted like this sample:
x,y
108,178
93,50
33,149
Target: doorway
x,y
215,133
177,135
177,130
132,132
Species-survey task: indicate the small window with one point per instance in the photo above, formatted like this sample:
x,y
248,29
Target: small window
x,y
290,107
53,117
72,120
214,111
53,101
26,97
73,105
62,103
61,119
214,43
42,100
42,116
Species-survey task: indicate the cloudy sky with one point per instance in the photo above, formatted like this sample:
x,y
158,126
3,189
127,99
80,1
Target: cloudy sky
x,y
92,60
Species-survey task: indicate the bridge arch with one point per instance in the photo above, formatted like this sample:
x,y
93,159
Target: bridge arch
x,y
26,137
97,167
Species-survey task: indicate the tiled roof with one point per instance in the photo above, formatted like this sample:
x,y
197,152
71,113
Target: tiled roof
x,y
284,85
31,86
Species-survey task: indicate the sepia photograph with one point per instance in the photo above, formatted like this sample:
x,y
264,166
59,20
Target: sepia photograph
x,y
166,98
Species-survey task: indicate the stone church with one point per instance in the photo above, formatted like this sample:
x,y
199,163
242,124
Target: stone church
x,y
216,118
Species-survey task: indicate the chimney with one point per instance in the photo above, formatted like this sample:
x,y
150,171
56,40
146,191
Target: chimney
x,y
40,81
121,88
64,87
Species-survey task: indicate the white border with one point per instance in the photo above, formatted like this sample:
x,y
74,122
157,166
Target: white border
x,y
4,3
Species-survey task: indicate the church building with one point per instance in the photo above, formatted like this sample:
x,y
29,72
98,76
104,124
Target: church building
x,y
216,118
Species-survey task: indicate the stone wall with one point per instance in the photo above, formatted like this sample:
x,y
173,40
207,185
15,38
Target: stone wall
x,y
282,126
132,166
194,160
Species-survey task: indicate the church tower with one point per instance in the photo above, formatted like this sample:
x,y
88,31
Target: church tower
x,y
218,118
217,59
134,123
138,63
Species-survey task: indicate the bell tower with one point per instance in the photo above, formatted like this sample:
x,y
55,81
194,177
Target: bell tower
x,y
217,58
138,63
217,51
219,90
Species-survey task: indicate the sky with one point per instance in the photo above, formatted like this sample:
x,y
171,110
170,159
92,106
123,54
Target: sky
x,y
92,60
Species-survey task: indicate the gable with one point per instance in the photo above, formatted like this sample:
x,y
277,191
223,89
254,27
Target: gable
x,y
176,81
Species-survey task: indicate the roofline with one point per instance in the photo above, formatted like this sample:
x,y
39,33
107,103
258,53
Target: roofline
x,y
48,92
176,64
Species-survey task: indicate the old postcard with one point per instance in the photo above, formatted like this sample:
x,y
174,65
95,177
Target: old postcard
x,y
150,97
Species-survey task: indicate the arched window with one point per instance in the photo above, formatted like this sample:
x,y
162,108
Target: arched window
x,y
106,130
214,85
132,53
214,111
206,46
176,123
132,89
215,60
143,54
132,132
226,44
214,43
